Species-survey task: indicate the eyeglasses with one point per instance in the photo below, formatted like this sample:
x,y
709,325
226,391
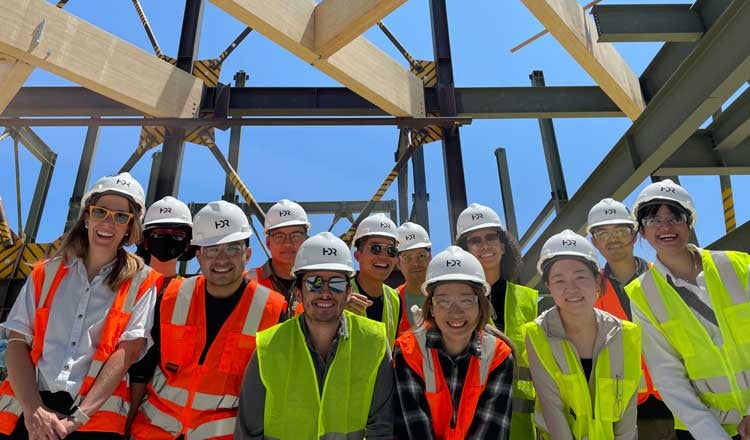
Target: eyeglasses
x,y
463,303
619,233
421,257
296,237
101,214
377,249
491,239
230,250
168,234
335,285
651,222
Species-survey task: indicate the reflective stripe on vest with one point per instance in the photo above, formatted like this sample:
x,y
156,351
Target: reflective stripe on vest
x,y
720,375
295,406
616,373
391,306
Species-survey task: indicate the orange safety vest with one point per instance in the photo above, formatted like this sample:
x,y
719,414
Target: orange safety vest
x,y
609,302
426,364
267,282
200,400
111,416
403,326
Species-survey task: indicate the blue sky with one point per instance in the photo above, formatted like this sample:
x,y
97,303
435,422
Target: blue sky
x,y
348,163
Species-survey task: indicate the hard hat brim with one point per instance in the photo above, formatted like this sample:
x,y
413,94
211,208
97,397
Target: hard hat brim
x,y
632,223
375,234
166,222
289,223
563,255
333,267
415,246
235,236
454,277
478,227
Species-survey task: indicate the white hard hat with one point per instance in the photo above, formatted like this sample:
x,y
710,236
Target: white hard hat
x,y
475,217
455,264
285,213
567,243
168,211
324,251
123,184
412,236
376,225
609,212
220,222
669,193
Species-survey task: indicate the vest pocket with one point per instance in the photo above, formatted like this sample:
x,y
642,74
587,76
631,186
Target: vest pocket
x,y
570,395
738,321
236,353
612,396
178,343
680,340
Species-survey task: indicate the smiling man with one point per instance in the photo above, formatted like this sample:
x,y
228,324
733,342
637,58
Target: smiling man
x,y
613,233
204,334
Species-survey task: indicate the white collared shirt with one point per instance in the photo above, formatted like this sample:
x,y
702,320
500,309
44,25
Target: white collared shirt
x,y
667,369
76,320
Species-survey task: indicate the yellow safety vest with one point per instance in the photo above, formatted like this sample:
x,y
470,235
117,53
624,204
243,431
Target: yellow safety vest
x,y
294,407
720,376
391,308
617,372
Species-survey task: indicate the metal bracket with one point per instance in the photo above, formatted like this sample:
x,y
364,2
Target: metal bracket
x,y
36,38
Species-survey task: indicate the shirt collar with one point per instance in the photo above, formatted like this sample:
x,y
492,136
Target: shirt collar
x,y
641,266
662,268
434,339
78,262
342,333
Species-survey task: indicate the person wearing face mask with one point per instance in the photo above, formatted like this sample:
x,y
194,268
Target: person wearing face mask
x,y
613,232
480,232
82,318
325,373
414,254
454,374
167,230
585,362
694,306
204,335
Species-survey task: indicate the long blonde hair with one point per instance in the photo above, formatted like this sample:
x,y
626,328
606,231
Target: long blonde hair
x,y
75,244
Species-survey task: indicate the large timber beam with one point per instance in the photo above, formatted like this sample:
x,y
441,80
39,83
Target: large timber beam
x,y
339,22
707,78
13,74
642,23
576,32
471,102
38,33
360,65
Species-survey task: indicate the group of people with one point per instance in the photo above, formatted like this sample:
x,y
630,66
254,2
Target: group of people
x,y
108,344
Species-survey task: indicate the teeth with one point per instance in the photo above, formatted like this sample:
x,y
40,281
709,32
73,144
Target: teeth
x,y
667,237
381,266
324,305
104,234
222,269
455,324
574,299
487,255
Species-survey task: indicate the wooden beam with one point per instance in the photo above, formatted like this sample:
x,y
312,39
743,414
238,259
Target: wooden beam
x,y
339,22
359,65
576,32
13,74
38,33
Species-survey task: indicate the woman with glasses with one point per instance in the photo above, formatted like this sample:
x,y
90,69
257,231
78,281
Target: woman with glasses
x,y
585,362
82,318
454,374
694,308
480,232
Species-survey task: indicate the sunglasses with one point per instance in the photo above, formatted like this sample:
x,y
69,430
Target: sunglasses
x,y
335,285
178,236
294,237
377,249
101,214
230,250
419,258
491,239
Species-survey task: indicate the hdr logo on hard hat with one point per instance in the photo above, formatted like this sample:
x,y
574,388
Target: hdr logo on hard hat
x,y
385,225
221,224
477,216
285,213
122,182
610,211
165,210
453,263
410,237
568,242
668,189
329,251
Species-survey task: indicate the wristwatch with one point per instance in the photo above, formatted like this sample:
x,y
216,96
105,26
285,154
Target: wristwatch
x,y
79,416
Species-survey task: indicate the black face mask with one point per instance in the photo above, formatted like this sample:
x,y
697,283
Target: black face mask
x,y
166,248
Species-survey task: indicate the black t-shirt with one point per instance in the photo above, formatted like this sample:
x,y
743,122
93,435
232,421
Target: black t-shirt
x,y
497,298
587,364
375,311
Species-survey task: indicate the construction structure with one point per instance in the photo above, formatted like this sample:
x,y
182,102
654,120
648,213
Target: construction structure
x,y
698,69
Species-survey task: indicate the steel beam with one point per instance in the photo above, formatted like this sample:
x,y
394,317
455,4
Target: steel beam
x,y
168,180
420,197
727,203
453,163
235,136
506,192
153,177
732,127
737,240
642,23
537,223
708,77
90,145
403,179
698,157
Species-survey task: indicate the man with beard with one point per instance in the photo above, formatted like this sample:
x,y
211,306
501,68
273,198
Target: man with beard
x,y
326,372
204,333
613,233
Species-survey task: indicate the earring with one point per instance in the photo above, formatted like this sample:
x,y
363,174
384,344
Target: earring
x,y
86,225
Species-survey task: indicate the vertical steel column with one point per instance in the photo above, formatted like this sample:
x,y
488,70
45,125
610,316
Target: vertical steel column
x,y
403,179
84,174
509,208
551,152
151,191
168,180
727,202
420,197
235,136
452,157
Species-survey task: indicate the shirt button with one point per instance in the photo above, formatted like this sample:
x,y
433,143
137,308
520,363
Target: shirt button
x,y
74,343
66,368
80,316
87,289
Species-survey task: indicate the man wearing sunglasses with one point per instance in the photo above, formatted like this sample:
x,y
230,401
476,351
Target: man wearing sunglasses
x,y
375,242
326,372
414,254
204,334
286,228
